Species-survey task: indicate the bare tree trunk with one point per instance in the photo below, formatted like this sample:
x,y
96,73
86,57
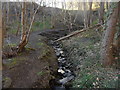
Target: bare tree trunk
x,y
101,13
89,14
107,43
107,5
26,33
4,22
1,41
85,15
17,18
1,27
23,20
23,40
117,43
7,12
52,17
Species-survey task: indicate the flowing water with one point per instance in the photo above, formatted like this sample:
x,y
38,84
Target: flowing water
x,y
64,72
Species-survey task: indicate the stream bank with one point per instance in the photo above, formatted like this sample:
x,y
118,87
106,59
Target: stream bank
x,y
64,73
41,65
83,51
33,68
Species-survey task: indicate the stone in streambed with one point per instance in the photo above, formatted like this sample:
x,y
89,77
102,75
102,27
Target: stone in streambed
x,y
65,80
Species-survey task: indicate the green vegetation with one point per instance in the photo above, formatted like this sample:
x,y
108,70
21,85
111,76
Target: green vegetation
x,y
12,44
85,56
40,73
41,25
14,61
37,25
14,28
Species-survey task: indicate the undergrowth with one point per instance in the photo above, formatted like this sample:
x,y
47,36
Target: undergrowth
x,y
84,52
38,25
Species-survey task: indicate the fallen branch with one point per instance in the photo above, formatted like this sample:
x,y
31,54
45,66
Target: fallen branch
x,y
77,32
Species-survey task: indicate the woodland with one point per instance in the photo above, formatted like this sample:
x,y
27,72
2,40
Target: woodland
x,y
76,45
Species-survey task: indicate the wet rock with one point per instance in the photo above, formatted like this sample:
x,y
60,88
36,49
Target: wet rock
x,y
61,52
66,74
59,49
61,71
58,54
61,59
65,80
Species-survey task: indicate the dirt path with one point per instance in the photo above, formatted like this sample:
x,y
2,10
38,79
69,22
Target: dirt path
x,y
33,68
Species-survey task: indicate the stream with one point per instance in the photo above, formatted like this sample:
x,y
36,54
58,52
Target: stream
x,y
64,73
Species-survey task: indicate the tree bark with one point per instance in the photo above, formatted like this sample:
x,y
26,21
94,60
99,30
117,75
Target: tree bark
x,y
107,43
101,13
107,5
90,14
117,43
85,15
23,40
23,21
26,33
7,12
1,31
4,22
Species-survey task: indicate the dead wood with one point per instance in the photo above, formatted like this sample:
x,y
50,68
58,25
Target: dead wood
x,y
77,32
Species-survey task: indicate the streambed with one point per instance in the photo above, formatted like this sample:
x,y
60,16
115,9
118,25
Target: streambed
x,y
64,74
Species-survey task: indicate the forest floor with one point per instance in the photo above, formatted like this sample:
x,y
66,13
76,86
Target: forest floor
x,y
83,51
38,61
33,68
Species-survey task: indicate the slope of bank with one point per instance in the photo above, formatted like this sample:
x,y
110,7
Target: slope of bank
x,y
83,51
33,68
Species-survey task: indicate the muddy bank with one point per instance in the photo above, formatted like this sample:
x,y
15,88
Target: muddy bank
x,y
33,68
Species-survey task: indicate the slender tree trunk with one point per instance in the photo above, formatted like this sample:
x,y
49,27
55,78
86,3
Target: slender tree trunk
x,y
26,33
107,43
85,15
23,40
4,22
107,5
101,13
117,43
17,18
89,14
23,20
7,12
1,41
52,17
